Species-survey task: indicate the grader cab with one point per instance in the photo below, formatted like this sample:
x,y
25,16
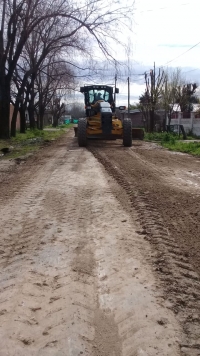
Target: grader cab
x,y
100,121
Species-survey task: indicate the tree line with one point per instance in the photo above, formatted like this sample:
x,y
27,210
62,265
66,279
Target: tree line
x,y
40,41
169,91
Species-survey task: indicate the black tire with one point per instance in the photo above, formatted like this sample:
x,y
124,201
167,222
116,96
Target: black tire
x,y
127,133
82,132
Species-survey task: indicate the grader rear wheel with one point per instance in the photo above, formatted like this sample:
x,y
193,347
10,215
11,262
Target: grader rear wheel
x,y
82,132
127,133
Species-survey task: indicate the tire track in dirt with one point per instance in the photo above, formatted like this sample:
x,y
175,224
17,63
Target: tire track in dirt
x,y
48,291
181,282
37,269
72,278
19,226
126,295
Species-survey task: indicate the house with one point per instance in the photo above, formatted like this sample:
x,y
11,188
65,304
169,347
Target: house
x,y
190,122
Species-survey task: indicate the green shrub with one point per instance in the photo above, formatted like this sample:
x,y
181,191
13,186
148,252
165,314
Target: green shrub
x,y
160,136
63,126
173,142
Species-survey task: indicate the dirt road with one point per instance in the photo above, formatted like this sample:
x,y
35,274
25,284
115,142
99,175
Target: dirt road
x,y
100,252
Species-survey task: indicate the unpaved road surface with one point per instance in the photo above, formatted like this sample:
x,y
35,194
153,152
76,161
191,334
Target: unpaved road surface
x,y
100,252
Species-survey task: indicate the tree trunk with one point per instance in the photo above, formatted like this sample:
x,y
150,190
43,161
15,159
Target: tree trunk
x,y
31,112
22,119
170,117
55,120
14,118
169,120
41,110
4,107
23,124
38,121
41,119
31,104
151,120
146,114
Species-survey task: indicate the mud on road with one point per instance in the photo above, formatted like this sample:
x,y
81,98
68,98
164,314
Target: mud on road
x,y
100,258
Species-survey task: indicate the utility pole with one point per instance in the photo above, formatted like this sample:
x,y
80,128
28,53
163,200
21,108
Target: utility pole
x,y
151,100
115,89
146,101
154,93
128,96
166,123
153,86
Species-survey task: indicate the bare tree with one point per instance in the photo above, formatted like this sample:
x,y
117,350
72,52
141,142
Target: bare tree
x,y
144,106
19,98
150,99
18,20
90,19
185,95
76,110
177,93
174,79
55,79
44,41
57,109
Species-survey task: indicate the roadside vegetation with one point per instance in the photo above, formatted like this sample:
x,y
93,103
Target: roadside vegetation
x,y
29,142
174,142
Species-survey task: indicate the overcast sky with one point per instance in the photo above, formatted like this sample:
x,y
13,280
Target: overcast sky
x,y
162,30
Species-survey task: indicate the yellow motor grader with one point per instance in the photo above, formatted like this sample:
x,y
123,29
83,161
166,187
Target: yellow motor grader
x,y
101,121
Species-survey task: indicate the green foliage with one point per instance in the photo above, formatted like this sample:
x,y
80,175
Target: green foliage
x,y
35,134
30,134
62,126
174,143
161,136
191,136
20,151
186,147
29,142
65,126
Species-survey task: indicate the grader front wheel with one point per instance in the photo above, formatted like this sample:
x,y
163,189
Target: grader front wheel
x,y
82,132
127,133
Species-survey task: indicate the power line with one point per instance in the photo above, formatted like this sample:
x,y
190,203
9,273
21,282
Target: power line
x,y
182,54
121,75
163,8
192,70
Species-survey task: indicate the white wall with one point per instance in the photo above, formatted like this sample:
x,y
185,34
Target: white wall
x,y
196,127
189,124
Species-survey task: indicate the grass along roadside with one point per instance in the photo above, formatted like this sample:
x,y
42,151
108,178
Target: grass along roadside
x,y
29,142
175,143
62,126
185,147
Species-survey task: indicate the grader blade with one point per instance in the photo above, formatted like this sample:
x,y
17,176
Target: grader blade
x,y
137,134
